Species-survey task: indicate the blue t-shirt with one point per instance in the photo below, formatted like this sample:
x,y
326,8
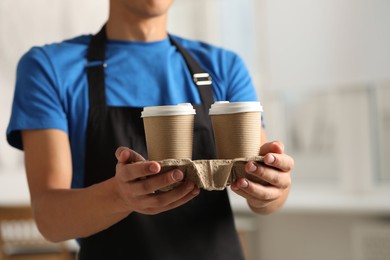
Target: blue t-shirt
x,y
52,89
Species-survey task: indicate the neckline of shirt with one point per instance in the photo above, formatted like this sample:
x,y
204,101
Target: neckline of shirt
x,y
161,43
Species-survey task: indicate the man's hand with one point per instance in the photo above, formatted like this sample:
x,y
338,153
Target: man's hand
x,y
269,195
138,180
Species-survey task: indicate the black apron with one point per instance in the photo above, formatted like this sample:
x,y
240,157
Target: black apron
x,y
201,229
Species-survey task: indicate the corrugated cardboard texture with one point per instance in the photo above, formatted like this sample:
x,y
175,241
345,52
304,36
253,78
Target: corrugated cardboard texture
x,y
211,174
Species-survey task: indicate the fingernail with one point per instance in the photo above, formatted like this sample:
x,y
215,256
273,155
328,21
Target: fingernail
x,y
269,159
252,167
244,184
234,187
177,175
153,167
120,152
195,192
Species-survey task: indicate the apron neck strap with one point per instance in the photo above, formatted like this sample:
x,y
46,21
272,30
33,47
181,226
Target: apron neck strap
x,y
201,78
97,57
97,47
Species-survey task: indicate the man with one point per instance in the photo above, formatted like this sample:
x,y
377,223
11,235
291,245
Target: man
x,y
77,103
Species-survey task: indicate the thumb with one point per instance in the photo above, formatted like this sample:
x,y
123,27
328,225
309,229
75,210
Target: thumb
x,y
272,147
126,155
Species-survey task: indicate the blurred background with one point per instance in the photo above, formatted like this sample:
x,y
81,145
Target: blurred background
x,y
322,72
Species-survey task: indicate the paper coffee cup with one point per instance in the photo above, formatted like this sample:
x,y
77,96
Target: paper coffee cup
x,y
237,128
169,131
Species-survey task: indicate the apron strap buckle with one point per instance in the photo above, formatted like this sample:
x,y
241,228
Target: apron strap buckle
x,y
202,79
96,64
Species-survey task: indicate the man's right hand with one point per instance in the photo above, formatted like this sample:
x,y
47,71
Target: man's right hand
x,y
138,180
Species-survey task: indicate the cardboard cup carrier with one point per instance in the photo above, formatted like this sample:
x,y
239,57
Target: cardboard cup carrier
x,y
169,131
237,128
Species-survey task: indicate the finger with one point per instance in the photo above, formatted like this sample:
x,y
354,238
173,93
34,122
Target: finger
x,y
126,155
269,174
280,161
272,147
157,182
171,199
255,192
254,202
135,171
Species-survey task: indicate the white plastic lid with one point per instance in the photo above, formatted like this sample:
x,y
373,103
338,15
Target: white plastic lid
x,y
226,107
180,109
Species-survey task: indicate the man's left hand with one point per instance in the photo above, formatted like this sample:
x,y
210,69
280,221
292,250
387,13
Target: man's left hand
x,y
271,192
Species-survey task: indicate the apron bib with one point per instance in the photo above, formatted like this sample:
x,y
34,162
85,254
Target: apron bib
x,y
201,229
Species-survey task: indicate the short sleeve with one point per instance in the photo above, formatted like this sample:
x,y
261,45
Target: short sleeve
x,y
239,84
37,102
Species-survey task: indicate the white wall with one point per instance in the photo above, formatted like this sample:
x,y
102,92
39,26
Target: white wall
x,y
25,23
311,44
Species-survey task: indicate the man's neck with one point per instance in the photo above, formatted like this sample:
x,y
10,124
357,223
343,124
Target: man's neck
x,y
124,26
